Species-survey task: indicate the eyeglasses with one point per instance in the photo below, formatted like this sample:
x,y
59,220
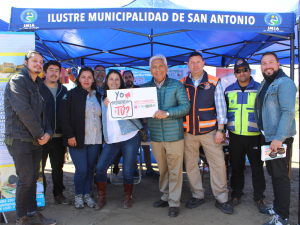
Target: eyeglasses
x,y
240,70
280,151
100,71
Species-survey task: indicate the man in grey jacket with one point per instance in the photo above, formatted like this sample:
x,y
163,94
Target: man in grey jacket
x,y
26,130
166,133
274,111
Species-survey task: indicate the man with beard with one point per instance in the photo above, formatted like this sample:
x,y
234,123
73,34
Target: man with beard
x,y
129,79
53,92
100,75
275,116
26,129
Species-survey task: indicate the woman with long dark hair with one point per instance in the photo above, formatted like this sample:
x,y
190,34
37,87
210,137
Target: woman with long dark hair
x,y
80,120
121,136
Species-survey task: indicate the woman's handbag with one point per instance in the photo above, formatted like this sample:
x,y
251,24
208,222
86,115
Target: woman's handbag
x,y
144,133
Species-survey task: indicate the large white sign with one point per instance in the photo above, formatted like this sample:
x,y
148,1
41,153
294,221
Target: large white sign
x,y
132,103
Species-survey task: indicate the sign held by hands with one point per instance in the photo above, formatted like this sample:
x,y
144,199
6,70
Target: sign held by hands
x,y
132,103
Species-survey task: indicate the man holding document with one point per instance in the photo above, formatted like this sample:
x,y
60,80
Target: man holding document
x,y
275,116
166,133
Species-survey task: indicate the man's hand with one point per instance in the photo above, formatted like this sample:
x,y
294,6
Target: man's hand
x,y
224,138
72,141
275,144
159,114
44,139
218,137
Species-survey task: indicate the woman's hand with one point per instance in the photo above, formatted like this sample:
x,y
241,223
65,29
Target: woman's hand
x,y
106,101
72,141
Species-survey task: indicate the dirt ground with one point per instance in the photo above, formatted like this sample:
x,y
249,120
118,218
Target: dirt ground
x,y
145,193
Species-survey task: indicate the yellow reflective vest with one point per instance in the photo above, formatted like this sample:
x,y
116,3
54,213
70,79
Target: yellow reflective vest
x,y
240,109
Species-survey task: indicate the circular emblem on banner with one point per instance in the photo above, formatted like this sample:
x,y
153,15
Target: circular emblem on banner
x,y
273,19
29,16
207,86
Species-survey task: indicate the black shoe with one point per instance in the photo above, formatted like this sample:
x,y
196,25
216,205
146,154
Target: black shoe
x,y
225,207
160,203
152,173
39,219
61,199
235,201
194,202
264,209
173,211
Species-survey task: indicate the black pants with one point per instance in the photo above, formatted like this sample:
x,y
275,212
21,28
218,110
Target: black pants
x,y
278,169
27,159
239,146
56,152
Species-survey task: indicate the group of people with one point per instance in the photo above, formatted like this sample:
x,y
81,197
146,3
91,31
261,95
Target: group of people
x,y
42,118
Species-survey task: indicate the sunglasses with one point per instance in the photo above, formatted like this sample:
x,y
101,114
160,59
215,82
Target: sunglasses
x,y
100,71
279,151
240,70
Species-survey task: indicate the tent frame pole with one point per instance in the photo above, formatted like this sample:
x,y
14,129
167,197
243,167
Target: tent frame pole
x,y
298,26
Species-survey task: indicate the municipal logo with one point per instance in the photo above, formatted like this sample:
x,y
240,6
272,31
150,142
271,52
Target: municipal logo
x,y
273,19
29,16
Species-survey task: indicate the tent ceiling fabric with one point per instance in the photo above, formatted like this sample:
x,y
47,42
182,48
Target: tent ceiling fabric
x,y
134,46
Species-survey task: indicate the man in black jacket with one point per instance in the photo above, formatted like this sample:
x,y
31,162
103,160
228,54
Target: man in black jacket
x,y
26,129
53,91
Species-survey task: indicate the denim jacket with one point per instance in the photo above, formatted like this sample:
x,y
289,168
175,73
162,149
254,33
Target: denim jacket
x,y
25,108
278,109
125,125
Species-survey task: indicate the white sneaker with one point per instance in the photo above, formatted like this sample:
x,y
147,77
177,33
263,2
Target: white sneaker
x,y
89,201
79,202
277,220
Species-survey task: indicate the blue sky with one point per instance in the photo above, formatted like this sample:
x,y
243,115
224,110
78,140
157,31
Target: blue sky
x,y
218,5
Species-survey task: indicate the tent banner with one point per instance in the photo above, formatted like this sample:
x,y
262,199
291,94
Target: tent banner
x,y
12,53
156,18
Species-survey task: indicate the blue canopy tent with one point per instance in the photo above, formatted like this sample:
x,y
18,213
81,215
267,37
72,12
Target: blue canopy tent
x,y
130,35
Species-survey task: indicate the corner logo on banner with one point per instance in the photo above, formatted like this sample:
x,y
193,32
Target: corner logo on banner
x,y
273,20
29,16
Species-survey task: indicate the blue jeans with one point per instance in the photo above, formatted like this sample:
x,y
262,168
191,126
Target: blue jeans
x,y
84,160
110,152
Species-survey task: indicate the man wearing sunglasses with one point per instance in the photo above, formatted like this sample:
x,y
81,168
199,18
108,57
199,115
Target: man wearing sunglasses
x,y
99,75
244,136
275,115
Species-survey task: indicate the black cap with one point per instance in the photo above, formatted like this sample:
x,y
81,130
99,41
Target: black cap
x,y
241,63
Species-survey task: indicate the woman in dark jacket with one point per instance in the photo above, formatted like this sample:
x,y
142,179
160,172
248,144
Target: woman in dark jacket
x,y
80,120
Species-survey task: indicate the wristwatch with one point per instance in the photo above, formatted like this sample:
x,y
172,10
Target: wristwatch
x,y
167,113
222,131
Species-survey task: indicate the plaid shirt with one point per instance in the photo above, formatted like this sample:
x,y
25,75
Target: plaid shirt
x,y
220,102
159,85
100,90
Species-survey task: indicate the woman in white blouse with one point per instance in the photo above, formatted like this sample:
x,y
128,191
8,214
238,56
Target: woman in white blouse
x,y
121,136
80,119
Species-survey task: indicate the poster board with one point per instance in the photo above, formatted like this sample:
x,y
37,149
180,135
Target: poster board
x,y
132,103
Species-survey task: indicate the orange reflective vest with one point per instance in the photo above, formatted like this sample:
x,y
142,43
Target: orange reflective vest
x,y
202,117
